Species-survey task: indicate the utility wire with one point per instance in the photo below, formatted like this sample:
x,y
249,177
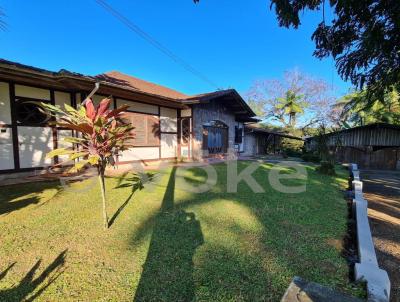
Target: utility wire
x,y
136,29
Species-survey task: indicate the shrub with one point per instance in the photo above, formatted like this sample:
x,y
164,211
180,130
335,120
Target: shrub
x,y
292,147
292,153
310,157
326,168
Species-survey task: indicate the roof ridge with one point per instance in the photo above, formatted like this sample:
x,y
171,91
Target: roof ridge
x,y
133,81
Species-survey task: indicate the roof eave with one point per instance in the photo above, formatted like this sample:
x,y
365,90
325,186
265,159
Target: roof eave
x,y
63,81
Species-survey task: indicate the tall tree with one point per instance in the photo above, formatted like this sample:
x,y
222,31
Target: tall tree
x,y
363,37
294,95
102,134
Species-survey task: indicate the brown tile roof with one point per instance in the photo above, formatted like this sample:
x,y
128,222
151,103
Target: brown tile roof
x,y
122,79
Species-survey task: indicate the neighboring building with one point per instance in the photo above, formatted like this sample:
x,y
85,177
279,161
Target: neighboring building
x,y
375,146
261,141
168,124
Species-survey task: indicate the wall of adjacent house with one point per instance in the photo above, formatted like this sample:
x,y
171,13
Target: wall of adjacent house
x,y
205,113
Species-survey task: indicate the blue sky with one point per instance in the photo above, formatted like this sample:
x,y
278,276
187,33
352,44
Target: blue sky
x,y
232,42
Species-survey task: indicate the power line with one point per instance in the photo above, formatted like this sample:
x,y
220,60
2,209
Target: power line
x,y
136,29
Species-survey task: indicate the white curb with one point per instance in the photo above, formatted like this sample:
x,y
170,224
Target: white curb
x,y
378,283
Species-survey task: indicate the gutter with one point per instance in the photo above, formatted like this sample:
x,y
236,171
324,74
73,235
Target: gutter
x,y
96,87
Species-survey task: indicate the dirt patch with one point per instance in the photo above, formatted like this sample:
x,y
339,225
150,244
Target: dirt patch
x,y
335,243
382,190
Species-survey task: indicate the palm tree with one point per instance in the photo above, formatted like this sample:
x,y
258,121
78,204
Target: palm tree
x,y
291,105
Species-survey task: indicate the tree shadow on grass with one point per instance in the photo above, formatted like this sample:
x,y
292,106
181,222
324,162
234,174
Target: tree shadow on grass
x,y
28,284
289,244
13,198
168,270
135,182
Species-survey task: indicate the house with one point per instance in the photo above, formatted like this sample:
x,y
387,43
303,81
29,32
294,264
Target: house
x,y
374,146
168,124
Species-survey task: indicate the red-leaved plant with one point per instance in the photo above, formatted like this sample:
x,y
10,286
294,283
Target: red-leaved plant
x,y
101,134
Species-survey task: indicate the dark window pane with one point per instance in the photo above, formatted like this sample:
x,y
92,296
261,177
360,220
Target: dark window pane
x,y
31,112
238,135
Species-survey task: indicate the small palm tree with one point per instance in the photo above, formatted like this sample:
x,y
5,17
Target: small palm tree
x,y
102,134
291,105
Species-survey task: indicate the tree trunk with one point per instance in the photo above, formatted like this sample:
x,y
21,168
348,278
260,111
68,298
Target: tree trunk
x,y
101,169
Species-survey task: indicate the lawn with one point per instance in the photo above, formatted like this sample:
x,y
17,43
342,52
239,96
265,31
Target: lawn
x,y
170,245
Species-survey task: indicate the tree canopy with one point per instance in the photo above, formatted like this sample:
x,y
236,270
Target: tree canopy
x,y
363,37
288,99
355,109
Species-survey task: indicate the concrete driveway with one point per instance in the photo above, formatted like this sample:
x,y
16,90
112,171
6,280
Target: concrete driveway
x,y
382,190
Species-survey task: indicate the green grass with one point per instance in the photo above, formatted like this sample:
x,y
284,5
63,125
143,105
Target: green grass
x,y
170,245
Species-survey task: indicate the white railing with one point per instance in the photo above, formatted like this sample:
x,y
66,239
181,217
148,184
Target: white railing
x,y
378,283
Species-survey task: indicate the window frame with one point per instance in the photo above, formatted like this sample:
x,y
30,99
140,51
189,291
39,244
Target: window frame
x,y
147,118
17,102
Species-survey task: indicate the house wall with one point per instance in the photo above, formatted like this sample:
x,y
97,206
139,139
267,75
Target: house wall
x,y
205,113
250,144
5,109
23,147
27,145
186,147
6,132
6,149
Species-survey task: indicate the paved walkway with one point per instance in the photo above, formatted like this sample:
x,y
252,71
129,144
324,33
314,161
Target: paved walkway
x,y
382,190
